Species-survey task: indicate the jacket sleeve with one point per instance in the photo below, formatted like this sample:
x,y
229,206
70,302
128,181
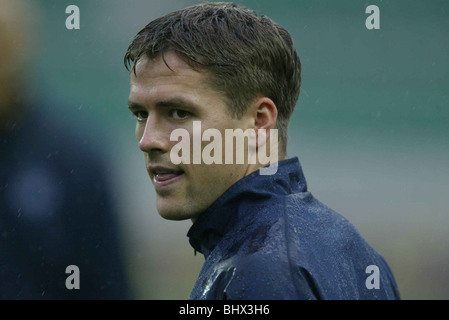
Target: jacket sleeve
x,y
259,278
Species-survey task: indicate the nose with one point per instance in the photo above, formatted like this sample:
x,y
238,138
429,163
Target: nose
x,y
151,136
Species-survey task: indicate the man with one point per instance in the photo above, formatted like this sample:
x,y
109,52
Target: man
x,y
264,236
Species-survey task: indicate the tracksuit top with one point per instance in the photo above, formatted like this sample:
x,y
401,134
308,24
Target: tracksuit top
x,y
268,238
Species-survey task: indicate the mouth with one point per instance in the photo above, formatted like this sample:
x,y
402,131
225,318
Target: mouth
x,y
163,177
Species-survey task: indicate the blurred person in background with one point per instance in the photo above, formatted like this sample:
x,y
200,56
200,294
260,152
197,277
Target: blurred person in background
x,y
55,207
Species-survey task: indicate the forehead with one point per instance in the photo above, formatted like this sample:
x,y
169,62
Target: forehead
x,y
168,64
169,79
169,70
162,79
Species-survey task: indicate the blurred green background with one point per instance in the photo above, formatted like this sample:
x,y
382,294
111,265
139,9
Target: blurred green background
x,y
371,126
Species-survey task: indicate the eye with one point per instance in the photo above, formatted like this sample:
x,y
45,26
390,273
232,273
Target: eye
x,y
179,114
141,115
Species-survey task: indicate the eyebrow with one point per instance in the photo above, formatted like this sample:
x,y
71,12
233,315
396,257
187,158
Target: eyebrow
x,y
173,103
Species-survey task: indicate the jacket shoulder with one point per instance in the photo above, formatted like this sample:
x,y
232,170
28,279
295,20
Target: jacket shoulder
x,y
264,276
331,248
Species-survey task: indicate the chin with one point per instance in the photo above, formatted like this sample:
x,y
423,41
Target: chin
x,y
175,212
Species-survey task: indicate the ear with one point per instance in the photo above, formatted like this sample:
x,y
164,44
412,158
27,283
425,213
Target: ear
x,y
265,116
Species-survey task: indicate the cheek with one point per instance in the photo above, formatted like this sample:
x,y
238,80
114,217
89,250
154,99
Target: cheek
x,y
139,131
212,180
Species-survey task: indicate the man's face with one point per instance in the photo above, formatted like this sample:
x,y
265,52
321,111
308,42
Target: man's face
x,y
164,100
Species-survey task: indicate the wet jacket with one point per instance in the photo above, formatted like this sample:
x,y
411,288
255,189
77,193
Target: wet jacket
x,y
267,237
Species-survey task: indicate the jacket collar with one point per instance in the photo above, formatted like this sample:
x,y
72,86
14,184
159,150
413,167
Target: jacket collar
x,y
219,218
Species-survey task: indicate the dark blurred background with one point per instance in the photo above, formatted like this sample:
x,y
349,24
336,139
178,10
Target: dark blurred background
x,y
370,127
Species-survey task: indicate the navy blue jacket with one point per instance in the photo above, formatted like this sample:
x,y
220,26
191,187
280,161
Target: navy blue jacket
x,y
267,237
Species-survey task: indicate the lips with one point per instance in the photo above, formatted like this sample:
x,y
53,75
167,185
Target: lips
x,y
164,176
